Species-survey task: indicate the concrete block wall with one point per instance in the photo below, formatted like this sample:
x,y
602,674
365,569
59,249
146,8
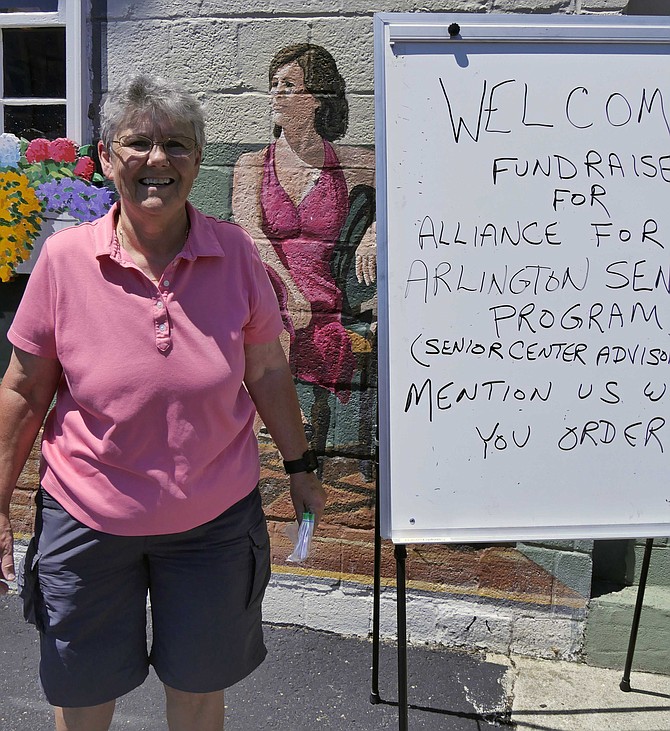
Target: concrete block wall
x,y
531,598
221,50
457,623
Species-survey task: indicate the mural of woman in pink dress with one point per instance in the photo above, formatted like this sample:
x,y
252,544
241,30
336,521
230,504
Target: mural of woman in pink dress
x,y
296,198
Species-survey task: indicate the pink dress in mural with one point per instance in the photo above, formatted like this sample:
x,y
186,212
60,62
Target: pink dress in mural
x,y
304,237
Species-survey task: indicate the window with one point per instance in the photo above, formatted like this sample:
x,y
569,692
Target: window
x,y
42,68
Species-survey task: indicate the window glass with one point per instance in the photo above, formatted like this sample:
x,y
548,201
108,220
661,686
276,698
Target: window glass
x,y
34,62
47,6
41,89
38,120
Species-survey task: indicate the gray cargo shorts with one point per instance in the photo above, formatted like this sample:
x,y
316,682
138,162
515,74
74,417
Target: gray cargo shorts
x,y
86,592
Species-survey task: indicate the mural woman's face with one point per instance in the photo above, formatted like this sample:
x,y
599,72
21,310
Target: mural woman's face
x,y
290,102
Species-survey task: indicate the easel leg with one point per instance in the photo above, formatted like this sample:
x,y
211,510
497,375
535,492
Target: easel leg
x,y
400,558
376,598
625,681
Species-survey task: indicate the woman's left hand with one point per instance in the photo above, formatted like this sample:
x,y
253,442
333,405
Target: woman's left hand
x,y
366,257
308,495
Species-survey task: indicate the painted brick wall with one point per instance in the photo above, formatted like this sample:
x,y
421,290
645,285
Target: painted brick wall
x,y
221,51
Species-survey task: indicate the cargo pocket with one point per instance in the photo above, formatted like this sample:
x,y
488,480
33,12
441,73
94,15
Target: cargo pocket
x,y
29,585
260,550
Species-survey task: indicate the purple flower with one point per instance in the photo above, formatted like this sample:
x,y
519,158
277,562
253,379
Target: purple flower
x,y
78,198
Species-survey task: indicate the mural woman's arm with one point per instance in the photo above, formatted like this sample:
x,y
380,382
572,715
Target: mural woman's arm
x,y
358,165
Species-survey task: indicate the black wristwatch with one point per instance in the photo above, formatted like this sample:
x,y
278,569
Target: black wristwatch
x,y
306,463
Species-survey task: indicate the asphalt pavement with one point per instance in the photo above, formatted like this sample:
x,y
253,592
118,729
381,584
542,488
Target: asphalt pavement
x,y
310,680
316,680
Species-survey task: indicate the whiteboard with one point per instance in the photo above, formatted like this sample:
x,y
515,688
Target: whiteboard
x,y
524,276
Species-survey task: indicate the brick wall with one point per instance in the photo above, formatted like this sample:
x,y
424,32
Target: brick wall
x,y
221,51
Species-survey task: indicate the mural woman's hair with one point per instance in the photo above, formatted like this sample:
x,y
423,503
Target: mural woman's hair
x,y
143,96
323,81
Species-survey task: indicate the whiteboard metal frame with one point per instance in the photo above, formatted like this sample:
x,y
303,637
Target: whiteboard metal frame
x,y
411,28
419,28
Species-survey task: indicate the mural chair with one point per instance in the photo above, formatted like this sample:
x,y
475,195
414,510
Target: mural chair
x,y
359,315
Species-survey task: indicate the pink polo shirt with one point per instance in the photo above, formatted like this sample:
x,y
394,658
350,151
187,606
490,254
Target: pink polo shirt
x,y
152,431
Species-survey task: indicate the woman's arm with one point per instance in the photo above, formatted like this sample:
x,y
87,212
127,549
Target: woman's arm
x,y
270,384
26,392
247,180
358,165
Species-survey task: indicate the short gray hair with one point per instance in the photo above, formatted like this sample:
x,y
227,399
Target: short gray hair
x,y
145,96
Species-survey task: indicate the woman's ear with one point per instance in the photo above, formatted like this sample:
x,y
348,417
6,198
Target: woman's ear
x,y
105,161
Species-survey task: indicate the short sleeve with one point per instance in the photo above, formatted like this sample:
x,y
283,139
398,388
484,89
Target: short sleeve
x,y
34,326
265,323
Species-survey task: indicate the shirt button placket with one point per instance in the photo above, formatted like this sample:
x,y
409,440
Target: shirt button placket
x,y
161,324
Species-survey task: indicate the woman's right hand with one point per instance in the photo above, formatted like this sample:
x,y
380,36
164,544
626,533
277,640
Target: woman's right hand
x,y
26,392
7,570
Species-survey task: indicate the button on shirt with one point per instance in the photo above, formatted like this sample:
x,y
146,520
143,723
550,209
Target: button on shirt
x,y
152,432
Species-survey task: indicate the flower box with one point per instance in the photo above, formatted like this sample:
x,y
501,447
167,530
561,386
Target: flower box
x,y
50,224
42,180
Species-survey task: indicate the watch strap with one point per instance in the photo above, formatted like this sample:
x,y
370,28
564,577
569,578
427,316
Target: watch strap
x,y
307,463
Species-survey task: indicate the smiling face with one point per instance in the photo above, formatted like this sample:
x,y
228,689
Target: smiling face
x,y
154,183
290,101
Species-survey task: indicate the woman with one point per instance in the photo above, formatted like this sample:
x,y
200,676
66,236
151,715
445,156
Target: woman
x,y
294,199
158,329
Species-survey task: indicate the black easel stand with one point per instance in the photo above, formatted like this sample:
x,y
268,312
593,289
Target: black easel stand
x,y
401,609
625,681
376,598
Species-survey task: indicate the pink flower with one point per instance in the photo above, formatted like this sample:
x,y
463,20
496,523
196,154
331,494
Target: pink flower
x,y
62,150
85,167
38,150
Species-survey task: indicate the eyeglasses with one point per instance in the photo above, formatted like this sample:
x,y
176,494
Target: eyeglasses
x,y
140,146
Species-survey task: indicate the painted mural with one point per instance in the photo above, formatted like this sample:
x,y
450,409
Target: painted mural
x,y
309,204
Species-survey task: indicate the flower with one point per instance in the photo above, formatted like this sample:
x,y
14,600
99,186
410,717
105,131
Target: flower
x,y
75,196
45,160
58,150
84,167
62,150
37,150
20,220
10,151
38,178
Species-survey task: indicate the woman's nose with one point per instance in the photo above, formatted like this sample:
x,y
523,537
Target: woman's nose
x,y
157,154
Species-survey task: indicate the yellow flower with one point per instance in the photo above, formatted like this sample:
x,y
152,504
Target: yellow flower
x,y
4,203
20,220
28,202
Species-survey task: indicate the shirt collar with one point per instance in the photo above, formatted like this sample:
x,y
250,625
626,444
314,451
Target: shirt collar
x,y
202,240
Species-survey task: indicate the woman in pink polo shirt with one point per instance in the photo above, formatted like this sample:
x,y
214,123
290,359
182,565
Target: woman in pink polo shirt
x,y
157,329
